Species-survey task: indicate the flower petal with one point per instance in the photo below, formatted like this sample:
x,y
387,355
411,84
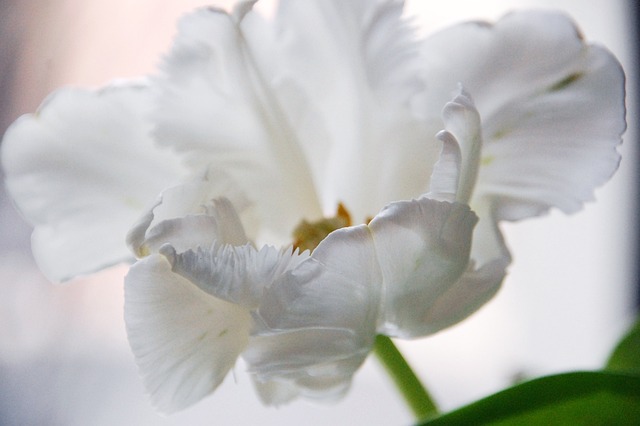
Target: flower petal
x,y
184,340
474,288
552,108
316,324
462,121
235,274
275,393
82,170
446,172
423,250
211,72
362,38
313,363
336,287
463,130
356,63
186,217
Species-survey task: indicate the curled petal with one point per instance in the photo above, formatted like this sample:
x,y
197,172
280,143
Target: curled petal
x,y
183,339
446,172
275,392
316,324
209,192
314,363
482,278
423,250
237,274
82,170
552,108
188,231
468,294
186,216
462,122
336,287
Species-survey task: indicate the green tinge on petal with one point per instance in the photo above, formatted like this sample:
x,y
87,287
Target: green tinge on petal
x,y
552,108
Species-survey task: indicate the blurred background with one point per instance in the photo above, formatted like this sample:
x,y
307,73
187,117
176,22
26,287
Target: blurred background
x,y
64,359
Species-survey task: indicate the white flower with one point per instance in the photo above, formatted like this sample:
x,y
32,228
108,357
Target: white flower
x,y
254,126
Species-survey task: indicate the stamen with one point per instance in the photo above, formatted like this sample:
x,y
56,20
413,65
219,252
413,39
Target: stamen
x,y
308,235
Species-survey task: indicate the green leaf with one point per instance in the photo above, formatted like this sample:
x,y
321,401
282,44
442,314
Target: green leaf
x,y
582,398
626,356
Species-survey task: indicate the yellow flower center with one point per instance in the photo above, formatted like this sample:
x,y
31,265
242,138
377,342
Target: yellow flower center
x,y
308,235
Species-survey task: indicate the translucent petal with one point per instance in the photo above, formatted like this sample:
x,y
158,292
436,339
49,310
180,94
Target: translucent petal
x,y
552,108
462,121
312,363
186,217
489,255
323,389
183,339
182,233
237,274
337,287
356,63
316,324
82,170
369,38
275,392
292,135
446,172
299,356
468,294
216,107
423,249
200,194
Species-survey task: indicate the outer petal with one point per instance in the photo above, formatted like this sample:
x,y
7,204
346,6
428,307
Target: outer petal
x,y
317,323
336,287
552,108
423,250
314,363
200,292
472,290
184,340
81,170
275,393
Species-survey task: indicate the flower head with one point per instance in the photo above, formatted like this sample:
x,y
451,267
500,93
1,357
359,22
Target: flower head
x,y
391,159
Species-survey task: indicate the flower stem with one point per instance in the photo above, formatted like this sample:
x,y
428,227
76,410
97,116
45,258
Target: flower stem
x,y
414,393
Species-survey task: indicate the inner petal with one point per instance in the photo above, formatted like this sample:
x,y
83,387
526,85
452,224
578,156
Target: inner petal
x,y
219,108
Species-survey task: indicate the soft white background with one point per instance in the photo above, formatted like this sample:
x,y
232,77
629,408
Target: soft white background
x,y
64,359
